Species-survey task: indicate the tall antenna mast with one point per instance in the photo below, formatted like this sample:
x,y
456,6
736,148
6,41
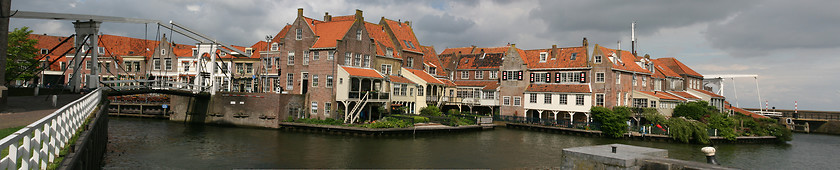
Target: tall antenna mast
x,y
633,38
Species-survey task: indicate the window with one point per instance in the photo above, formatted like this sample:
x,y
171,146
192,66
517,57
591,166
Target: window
x,y
574,56
396,90
316,55
634,80
367,61
327,108
547,98
597,59
569,77
386,69
579,100
494,74
403,89
420,91
490,95
137,66
107,67
563,99
389,52
543,57
195,52
329,81
291,60
167,63
479,74
314,80
644,81
162,51
411,91
359,34
186,66
432,70
410,62
617,78
290,81
89,65
357,61
249,67
224,67
45,51
517,101
314,108
653,104
506,100
532,98
298,34
599,77
640,102
465,74
239,68
305,57
274,47
540,77
330,55
347,58
599,99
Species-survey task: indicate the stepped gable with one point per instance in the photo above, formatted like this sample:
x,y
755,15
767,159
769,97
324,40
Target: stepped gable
x,y
677,66
569,57
563,88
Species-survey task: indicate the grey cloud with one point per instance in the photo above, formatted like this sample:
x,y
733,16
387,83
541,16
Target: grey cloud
x,y
779,25
616,16
444,24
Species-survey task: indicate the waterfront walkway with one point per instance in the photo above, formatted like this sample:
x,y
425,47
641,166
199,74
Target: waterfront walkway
x,y
23,110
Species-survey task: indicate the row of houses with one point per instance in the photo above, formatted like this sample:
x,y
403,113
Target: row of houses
x,y
349,68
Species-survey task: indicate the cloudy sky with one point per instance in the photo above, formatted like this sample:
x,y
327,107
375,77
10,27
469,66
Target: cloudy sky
x,y
792,45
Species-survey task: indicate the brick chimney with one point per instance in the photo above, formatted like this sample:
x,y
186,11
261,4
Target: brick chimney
x,y
408,23
359,17
327,17
553,52
300,12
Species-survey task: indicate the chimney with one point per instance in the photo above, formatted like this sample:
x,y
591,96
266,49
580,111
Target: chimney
x,y
553,52
513,45
359,17
407,23
327,17
585,42
619,45
300,12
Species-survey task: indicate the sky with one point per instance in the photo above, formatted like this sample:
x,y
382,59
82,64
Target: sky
x,y
792,45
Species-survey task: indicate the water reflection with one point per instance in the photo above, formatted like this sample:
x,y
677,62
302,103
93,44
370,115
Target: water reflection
x,y
160,144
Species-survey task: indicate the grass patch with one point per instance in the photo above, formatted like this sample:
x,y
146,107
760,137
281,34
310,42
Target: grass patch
x,y
9,131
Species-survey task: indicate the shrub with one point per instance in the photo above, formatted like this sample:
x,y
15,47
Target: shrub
x,y
389,122
430,110
613,122
686,131
725,125
655,118
693,110
453,112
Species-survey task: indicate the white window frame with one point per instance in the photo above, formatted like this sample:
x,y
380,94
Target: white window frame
x,y
274,46
547,98
327,108
330,55
617,77
329,81
479,74
167,63
506,100
305,57
465,74
543,57
366,61
348,59
156,64
101,50
600,77
517,100
315,80
298,34
410,62
494,74
532,98
563,99
290,81
385,69
579,100
290,60
598,59
314,108
357,60
316,55
359,34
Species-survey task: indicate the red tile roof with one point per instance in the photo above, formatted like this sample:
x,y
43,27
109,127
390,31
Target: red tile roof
x,y
281,34
661,95
744,112
462,50
447,82
476,61
677,66
381,38
709,93
48,42
685,95
403,32
329,32
344,18
563,58
362,72
627,60
491,86
431,59
565,88
425,76
400,79
663,71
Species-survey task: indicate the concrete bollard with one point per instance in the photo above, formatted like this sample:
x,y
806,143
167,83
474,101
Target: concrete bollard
x,y
710,155
54,100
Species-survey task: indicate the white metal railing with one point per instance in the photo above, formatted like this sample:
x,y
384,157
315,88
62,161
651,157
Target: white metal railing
x,y
155,84
39,143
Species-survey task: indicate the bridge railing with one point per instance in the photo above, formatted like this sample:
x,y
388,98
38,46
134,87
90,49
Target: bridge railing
x,y
155,84
39,143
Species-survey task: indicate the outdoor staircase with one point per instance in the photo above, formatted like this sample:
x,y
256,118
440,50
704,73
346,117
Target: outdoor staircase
x,y
440,101
353,115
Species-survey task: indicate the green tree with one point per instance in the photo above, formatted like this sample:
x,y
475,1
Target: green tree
x,y
725,125
21,55
613,122
693,110
430,110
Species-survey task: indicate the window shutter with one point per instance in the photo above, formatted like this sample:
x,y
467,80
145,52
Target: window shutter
x,y
582,77
557,77
547,77
532,77
519,75
504,75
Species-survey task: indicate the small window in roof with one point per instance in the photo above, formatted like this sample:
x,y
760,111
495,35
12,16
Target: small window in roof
x,y
574,56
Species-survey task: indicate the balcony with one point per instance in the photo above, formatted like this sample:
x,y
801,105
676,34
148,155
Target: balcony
x,y
432,99
373,95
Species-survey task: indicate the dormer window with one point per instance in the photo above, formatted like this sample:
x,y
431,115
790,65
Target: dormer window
x,y
100,50
543,57
195,52
389,52
45,51
249,51
597,59
274,46
574,56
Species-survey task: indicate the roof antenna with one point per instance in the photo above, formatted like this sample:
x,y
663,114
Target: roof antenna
x,y
633,38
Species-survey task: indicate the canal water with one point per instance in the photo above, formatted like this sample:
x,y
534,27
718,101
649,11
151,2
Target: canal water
x,y
160,144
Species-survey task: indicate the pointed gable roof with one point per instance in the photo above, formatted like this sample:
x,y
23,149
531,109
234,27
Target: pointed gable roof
x,y
425,76
627,60
462,50
663,71
431,59
329,32
400,79
677,66
563,58
404,34
380,38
